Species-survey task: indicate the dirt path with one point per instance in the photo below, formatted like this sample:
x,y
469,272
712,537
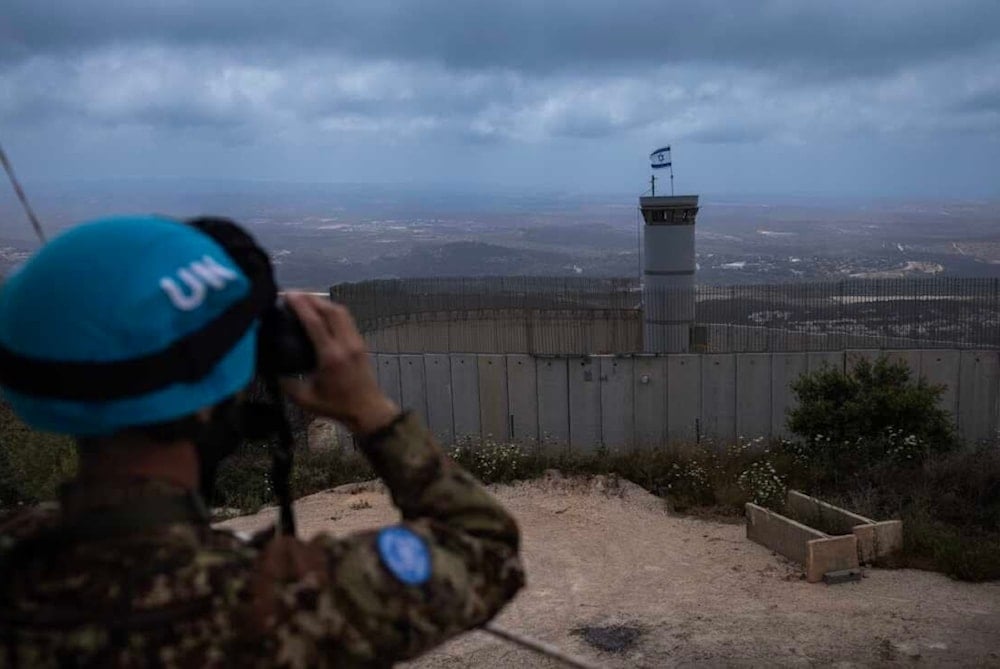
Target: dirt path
x,y
605,553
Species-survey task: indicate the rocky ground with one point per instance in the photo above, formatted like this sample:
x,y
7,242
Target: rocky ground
x,y
615,578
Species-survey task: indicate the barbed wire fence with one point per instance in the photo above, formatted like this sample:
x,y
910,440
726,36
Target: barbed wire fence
x,y
594,315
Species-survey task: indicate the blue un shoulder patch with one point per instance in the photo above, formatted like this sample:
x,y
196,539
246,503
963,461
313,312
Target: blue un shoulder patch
x,y
405,555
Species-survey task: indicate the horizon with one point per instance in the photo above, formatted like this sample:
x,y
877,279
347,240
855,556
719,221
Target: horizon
x,y
134,184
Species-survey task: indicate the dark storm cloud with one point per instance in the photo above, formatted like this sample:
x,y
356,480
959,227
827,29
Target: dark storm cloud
x,y
515,89
823,38
982,101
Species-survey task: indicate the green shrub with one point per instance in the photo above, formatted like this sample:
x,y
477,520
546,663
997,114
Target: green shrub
x,y
32,464
874,412
243,480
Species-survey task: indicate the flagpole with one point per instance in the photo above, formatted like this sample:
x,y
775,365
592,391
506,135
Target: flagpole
x,y
671,172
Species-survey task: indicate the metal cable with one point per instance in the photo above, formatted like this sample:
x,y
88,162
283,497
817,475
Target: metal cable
x,y
540,647
21,196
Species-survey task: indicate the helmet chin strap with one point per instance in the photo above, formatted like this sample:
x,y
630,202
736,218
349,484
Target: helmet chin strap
x,y
220,437
282,456
231,424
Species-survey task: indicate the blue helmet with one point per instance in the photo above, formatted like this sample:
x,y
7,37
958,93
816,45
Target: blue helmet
x,y
122,322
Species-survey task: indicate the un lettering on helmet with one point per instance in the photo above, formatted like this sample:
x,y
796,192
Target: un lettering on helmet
x,y
196,276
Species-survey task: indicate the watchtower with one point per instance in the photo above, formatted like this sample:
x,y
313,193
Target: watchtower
x,y
668,272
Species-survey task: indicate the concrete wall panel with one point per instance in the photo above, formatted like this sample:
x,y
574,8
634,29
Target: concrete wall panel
x,y
978,389
413,384
650,392
465,394
493,414
852,356
785,369
911,358
584,404
388,376
522,391
817,359
718,396
942,367
617,403
684,397
437,369
648,400
753,395
553,401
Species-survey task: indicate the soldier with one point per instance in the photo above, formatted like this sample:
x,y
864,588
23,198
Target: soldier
x,y
97,340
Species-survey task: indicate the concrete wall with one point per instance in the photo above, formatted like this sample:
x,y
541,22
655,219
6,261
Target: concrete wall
x,y
646,400
509,331
731,338
581,332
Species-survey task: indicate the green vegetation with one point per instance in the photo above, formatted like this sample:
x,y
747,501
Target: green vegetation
x,y
32,464
949,504
244,479
873,413
873,440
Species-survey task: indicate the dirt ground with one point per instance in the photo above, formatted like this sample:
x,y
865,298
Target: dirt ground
x,y
603,552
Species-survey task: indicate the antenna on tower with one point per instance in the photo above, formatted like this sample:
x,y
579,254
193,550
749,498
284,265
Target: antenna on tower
x,y
661,159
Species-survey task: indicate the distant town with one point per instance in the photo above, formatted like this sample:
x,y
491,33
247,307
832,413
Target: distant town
x,y
324,234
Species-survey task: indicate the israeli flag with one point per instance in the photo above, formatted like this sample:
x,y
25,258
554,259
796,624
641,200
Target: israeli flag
x,y
660,158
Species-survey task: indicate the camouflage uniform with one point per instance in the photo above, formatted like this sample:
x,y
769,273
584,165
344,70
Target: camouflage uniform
x,y
153,584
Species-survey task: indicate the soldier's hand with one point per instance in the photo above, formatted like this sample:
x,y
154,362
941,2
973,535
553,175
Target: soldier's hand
x,y
343,386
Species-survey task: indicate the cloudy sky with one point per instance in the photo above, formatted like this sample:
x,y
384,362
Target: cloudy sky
x,y
854,97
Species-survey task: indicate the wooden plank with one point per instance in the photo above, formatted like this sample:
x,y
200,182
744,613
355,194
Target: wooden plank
x,y
979,386
584,404
821,515
650,392
785,369
831,554
617,402
441,422
388,376
684,397
465,395
494,418
413,382
522,398
553,402
780,534
942,368
753,395
718,396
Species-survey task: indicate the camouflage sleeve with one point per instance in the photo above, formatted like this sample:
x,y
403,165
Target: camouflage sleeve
x,y
356,604
26,522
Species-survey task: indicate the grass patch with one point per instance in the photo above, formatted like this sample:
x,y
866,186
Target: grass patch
x,y
949,505
244,479
32,464
949,502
